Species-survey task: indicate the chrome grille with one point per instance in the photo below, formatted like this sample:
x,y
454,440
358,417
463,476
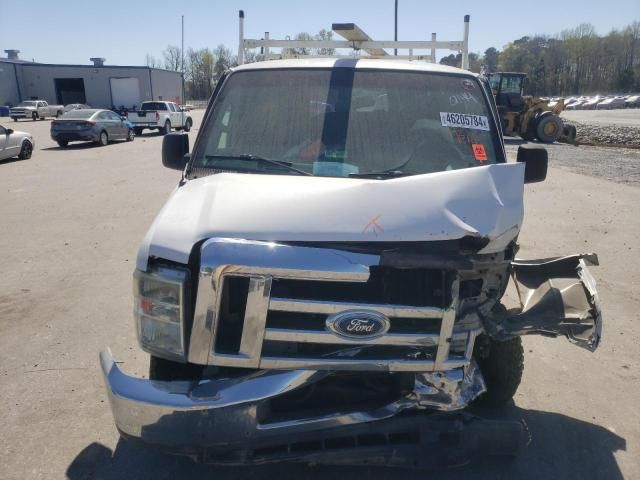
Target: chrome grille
x,y
419,338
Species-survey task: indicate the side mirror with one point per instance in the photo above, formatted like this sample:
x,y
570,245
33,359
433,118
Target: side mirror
x,y
175,146
9,131
536,160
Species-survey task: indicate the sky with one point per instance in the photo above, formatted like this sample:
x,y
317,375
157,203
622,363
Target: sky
x,y
72,31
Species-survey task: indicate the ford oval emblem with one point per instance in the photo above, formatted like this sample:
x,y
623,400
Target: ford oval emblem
x,y
363,324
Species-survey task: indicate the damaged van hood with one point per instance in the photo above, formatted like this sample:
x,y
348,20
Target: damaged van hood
x,y
484,202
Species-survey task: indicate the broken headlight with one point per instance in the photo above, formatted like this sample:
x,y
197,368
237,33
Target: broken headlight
x,y
159,305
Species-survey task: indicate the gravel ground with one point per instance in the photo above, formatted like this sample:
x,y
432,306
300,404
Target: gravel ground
x,y
607,127
607,134
621,165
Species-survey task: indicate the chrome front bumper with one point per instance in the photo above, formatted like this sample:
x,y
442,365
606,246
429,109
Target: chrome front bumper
x,y
201,419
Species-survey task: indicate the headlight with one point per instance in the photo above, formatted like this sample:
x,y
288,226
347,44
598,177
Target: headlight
x,y
159,304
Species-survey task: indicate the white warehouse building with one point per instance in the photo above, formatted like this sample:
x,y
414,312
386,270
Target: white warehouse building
x,y
98,85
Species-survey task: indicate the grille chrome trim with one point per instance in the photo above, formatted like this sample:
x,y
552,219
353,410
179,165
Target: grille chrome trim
x,y
331,308
358,365
446,330
264,261
255,318
314,336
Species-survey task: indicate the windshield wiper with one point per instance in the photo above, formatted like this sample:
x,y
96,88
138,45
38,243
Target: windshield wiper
x,y
257,158
384,174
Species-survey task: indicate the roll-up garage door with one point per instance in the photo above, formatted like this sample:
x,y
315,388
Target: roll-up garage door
x,y
125,92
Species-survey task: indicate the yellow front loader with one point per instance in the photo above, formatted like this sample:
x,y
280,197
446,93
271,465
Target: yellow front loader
x,y
526,116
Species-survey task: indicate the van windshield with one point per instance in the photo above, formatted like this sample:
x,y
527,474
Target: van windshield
x,y
345,122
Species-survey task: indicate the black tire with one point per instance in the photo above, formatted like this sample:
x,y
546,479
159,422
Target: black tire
x,y
166,129
501,364
549,127
103,140
26,150
138,130
570,132
130,135
15,119
59,114
529,135
161,369
63,143
187,125
34,116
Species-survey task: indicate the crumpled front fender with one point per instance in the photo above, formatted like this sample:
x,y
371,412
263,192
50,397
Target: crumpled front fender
x,y
557,297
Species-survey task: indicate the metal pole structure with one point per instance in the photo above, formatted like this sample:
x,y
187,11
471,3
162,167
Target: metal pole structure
x,y
465,43
241,37
182,67
266,49
395,28
433,49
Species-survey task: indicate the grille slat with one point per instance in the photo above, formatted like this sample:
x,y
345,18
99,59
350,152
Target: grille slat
x,y
329,308
307,336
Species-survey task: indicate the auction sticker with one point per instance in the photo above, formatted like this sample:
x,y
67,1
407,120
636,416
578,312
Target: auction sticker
x,y
468,84
479,153
464,120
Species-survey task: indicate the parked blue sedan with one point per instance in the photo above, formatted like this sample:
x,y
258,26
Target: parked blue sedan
x,y
92,125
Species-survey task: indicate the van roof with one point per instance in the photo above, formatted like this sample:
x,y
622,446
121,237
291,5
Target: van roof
x,y
357,63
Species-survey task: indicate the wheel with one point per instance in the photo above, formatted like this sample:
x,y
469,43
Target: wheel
x,y
529,135
548,127
59,114
34,116
130,135
138,130
166,129
570,132
104,139
187,125
15,119
161,369
63,143
501,364
26,150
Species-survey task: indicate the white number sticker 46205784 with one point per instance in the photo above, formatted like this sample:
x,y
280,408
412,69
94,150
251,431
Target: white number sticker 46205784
x,y
464,120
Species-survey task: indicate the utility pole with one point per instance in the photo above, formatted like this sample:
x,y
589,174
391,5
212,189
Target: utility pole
x,y
395,29
182,66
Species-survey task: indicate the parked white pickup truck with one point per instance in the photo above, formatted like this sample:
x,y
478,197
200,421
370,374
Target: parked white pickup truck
x,y
35,109
161,116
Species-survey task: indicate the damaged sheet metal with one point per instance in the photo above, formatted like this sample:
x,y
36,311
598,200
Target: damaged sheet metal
x,y
483,202
557,297
449,390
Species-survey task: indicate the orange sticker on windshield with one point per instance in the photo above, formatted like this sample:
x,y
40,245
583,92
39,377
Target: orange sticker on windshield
x,y
479,152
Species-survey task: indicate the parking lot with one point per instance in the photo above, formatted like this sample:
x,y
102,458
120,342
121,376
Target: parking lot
x,y
72,220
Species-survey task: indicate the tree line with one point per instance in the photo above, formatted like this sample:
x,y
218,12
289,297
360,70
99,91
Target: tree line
x,y
204,67
576,61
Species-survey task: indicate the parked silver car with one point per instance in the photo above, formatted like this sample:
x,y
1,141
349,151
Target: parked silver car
x,y
611,103
75,106
633,101
15,144
91,125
